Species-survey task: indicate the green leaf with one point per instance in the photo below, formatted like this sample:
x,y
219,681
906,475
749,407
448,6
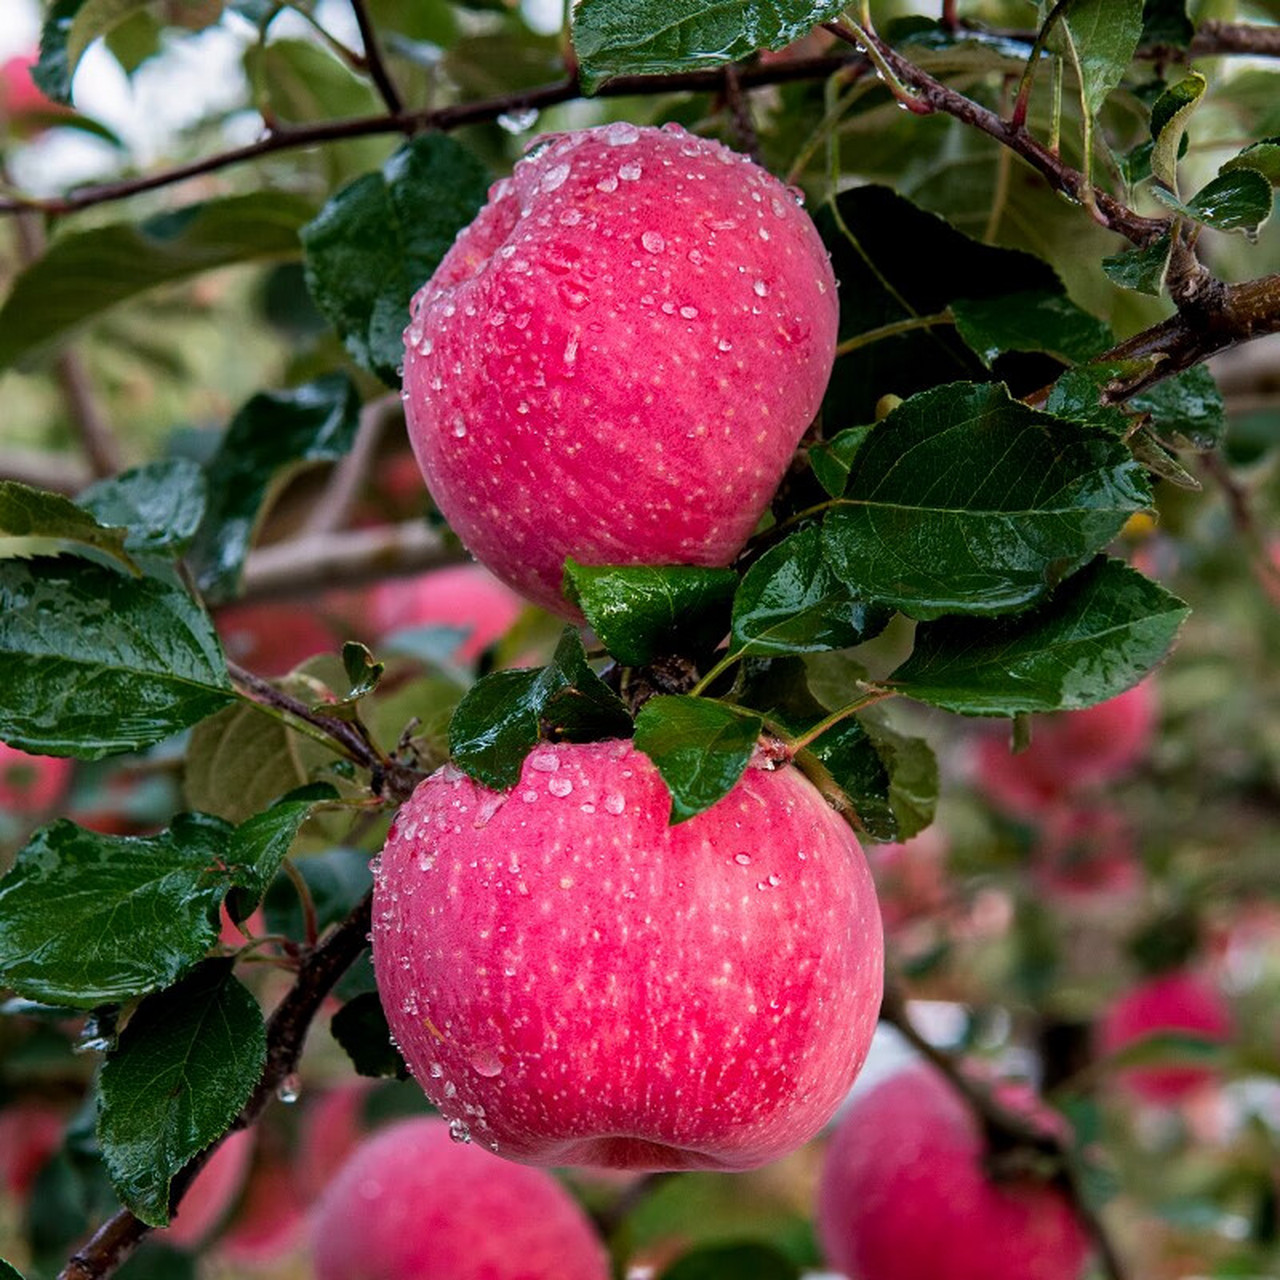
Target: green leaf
x,y
1103,630
1187,410
43,518
832,459
653,37
361,1028
97,663
643,612
160,505
67,42
1167,1048
186,1063
503,715
700,747
1264,156
85,273
1140,269
381,238
1238,200
894,261
791,601
733,1262
1037,320
260,846
1105,34
1169,115
1165,22
1077,396
8,1271
965,501
52,73
88,919
271,436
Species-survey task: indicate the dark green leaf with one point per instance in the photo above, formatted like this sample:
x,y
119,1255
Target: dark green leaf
x,y
643,612
1165,22
1033,321
1158,460
1238,200
733,1262
1105,34
1168,1048
52,73
832,459
700,747
160,505
381,238
653,37
267,440
64,42
895,261
965,501
86,272
8,1271
186,1063
1077,396
360,1027
336,879
1140,269
260,845
791,601
1103,630
44,518
363,672
1186,410
505,714
88,919
1169,115
1264,156
96,662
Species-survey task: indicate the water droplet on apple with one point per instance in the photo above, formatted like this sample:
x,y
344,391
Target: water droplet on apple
x,y
607,185
560,786
742,859
460,1131
289,1090
459,426
653,241
614,803
555,177
689,313
621,134
630,172
725,345
761,289
486,1063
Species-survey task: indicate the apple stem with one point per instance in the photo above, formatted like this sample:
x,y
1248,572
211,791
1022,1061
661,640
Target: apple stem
x,y
872,695
714,674
860,340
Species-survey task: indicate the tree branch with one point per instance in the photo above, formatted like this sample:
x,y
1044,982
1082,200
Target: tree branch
x,y
334,505
287,1028
374,61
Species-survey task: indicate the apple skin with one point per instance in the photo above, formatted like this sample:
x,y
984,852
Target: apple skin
x,y
465,595
332,1129
1070,751
1177,1002
904,1194
211,1193
270,1222
30,1132
618,357
575,982
31,784
273,639
411,1204
20,96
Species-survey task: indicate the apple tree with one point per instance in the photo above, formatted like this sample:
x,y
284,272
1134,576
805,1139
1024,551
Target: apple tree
x,y
971,568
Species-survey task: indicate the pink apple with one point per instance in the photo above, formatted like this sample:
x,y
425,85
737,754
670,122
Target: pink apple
x,y
30,1132
411,1204
272,639
911,879
31,784
464,596
270,1222
618,357
1069,751
573,981
1087,856
20,97
1178,1003
212,1193
905,1194
332,1128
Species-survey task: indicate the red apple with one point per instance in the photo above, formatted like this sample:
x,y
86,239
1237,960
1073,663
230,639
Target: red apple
x,y
464,596
30,1132
905,1194
573,981
332,1128
1087,856
211,1194
412,1205
272,639
1069,751
31,784
618,357
271,1220
20,97
1178,1003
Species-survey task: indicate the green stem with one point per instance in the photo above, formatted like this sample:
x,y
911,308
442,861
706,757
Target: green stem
x,y
860,340
873,695
714,674
1019,117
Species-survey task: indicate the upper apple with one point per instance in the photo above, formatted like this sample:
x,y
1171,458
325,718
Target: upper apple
x,y
618,357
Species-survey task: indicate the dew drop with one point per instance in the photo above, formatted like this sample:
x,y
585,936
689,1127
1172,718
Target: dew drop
x,y
571,350
435,1071
459,426
486,1063
630,172
554,178
518,120
697,257
761,289
289,1090
653,241
528,796
725,345
460,1131
621,134
774,881
560,786
614,803
570,217
574,296
742,859
607,185
545,762
689,313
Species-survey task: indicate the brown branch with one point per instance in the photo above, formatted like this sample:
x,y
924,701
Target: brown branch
x,y
1007,1130
1236,496
120,1235
1247,38
54,471
315,562
373,59
334,505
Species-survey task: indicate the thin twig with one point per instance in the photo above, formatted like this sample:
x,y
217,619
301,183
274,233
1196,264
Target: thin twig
x,y
120,1235
374,61
331,509
1246,525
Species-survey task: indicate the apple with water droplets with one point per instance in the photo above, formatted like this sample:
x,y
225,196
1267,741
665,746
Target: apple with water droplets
x,y
574,981
412,1205
617,358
